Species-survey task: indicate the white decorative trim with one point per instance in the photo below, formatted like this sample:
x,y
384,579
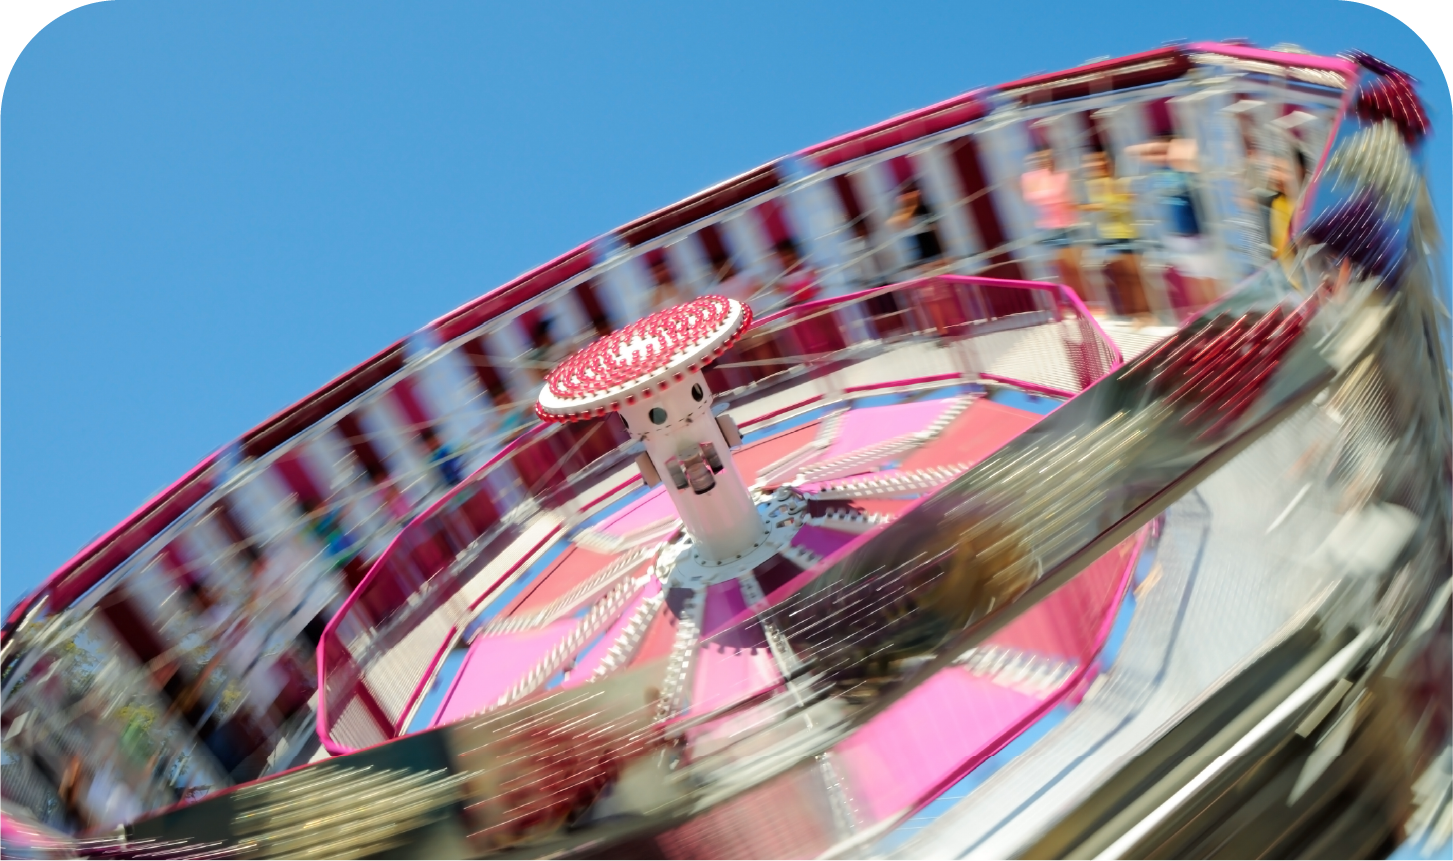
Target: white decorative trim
x,y
624,648
597,619
891,482
1016,669
570,600
674,693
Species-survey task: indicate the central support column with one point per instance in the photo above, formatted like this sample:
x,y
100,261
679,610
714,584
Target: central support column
x,y
694,462
651,373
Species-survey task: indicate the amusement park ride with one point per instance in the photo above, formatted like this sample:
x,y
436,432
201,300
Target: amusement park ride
x,y
1060,470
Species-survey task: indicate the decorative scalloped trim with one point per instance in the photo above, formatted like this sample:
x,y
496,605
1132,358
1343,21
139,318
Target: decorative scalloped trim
x,y
594,622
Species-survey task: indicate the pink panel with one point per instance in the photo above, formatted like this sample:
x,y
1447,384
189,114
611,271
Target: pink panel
x,y
725,674
586,664
1331,64
656,643
724,602
494,664
924,739
751,459
820,540
885,507
872,425
573,567
654,507
1066,623
975,434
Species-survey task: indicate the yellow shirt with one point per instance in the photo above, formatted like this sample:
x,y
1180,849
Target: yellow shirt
x,y
1113,199
1281,223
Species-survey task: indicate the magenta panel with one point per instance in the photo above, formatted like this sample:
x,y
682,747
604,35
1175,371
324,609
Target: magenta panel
x,y
820,540
869,426
653,508
724,602
1067,623
976,433
494,664
725,674
587,663
923,740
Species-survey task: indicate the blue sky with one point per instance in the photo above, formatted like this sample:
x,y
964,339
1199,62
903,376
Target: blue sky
x,y
211,209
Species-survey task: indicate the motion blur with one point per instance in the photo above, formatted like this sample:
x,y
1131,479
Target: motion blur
x,y
1061,470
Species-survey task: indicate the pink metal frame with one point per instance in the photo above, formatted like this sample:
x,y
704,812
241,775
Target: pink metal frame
x,y
330,631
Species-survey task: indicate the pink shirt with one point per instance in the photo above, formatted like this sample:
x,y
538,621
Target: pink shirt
x,y
1049,192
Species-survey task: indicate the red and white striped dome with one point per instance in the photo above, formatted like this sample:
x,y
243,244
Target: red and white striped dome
x,y
642,358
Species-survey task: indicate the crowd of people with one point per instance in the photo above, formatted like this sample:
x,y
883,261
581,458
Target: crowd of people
x,y
1100,220
1126,230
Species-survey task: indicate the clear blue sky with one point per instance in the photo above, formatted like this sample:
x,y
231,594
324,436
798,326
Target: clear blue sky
x,y
209,209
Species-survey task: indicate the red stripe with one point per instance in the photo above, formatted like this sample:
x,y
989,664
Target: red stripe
x,y
902,169
898,130
511,294
698,206
1136,70
965,156
359,444
848,196
712,244
774,221
305,413
295,475
408,399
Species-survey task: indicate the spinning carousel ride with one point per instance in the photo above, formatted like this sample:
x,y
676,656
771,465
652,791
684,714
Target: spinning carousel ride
x,y
996,543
